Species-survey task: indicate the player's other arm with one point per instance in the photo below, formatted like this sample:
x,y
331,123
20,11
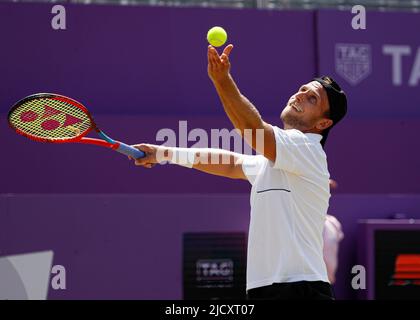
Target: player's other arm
x,y
213,161
241,112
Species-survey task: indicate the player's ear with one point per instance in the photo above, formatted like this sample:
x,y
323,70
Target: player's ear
x,y
324,124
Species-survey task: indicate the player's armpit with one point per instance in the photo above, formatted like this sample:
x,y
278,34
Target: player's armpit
x,y
269,142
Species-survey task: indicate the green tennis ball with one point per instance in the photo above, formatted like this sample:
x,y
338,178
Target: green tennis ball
x,y
216,36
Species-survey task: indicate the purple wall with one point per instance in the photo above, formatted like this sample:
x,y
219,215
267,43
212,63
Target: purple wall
x,y
104,241
148,60
159,80
116,246
375,152
363,156
141,69
359,60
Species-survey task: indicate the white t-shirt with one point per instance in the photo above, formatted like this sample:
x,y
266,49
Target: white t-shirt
x,y
289,202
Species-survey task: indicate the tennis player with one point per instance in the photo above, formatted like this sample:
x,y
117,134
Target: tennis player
x,y
290,181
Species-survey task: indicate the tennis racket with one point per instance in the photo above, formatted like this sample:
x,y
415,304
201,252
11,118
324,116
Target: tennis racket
x,y
48,117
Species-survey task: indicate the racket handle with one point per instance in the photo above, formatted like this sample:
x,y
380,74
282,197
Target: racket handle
x,y
130,151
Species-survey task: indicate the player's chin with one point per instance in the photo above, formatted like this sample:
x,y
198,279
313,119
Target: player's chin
x,y
286,114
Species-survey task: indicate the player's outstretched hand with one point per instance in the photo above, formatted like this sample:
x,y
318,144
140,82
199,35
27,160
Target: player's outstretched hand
x,y
218,66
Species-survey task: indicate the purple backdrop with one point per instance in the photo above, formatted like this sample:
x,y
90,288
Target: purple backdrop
x,y
362,61
116,246
383,117
148,60
363,157
130,246
158,81
141,69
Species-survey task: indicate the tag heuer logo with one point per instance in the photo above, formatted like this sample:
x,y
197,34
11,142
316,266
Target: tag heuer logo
x,y
353,61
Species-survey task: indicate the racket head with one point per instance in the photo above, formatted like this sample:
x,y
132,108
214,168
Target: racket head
x,y
49,117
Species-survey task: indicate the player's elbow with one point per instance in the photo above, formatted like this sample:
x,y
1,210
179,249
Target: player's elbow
x,y
236,172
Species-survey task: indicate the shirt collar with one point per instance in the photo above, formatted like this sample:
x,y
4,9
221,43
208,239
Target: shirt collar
x,y
314,136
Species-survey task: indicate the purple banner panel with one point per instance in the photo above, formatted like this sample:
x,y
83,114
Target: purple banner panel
x,y
151,60
130,246
116,246
362,156
367,156
34,167
379,67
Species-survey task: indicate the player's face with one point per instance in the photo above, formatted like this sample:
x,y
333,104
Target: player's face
x,y
306,109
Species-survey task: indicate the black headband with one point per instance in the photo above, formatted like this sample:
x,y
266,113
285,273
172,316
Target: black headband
x,y
337,101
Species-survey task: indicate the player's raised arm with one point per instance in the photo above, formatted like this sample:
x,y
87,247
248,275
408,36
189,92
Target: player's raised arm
x,y
213,161
241,112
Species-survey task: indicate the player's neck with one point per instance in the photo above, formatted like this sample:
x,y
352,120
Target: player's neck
x,y
312,130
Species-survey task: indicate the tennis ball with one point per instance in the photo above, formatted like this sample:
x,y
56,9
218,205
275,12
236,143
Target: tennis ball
x,y
216,36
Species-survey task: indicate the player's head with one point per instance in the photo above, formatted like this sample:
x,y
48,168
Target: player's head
x,y
316,107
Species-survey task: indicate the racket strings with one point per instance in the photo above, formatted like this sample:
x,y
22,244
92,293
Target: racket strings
x,y
50,119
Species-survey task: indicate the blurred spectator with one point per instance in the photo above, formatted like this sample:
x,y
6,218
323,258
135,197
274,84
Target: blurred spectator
x,y
332,235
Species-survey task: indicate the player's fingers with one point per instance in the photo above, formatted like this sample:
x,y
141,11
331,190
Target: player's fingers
x,y
210,58
143,161
144,147
147,165
228,49
214,55
216,62
139,162
213,60
212,50
225,59
225,55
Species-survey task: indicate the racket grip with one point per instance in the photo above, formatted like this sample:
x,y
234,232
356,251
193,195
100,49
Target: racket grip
x,y
130,151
